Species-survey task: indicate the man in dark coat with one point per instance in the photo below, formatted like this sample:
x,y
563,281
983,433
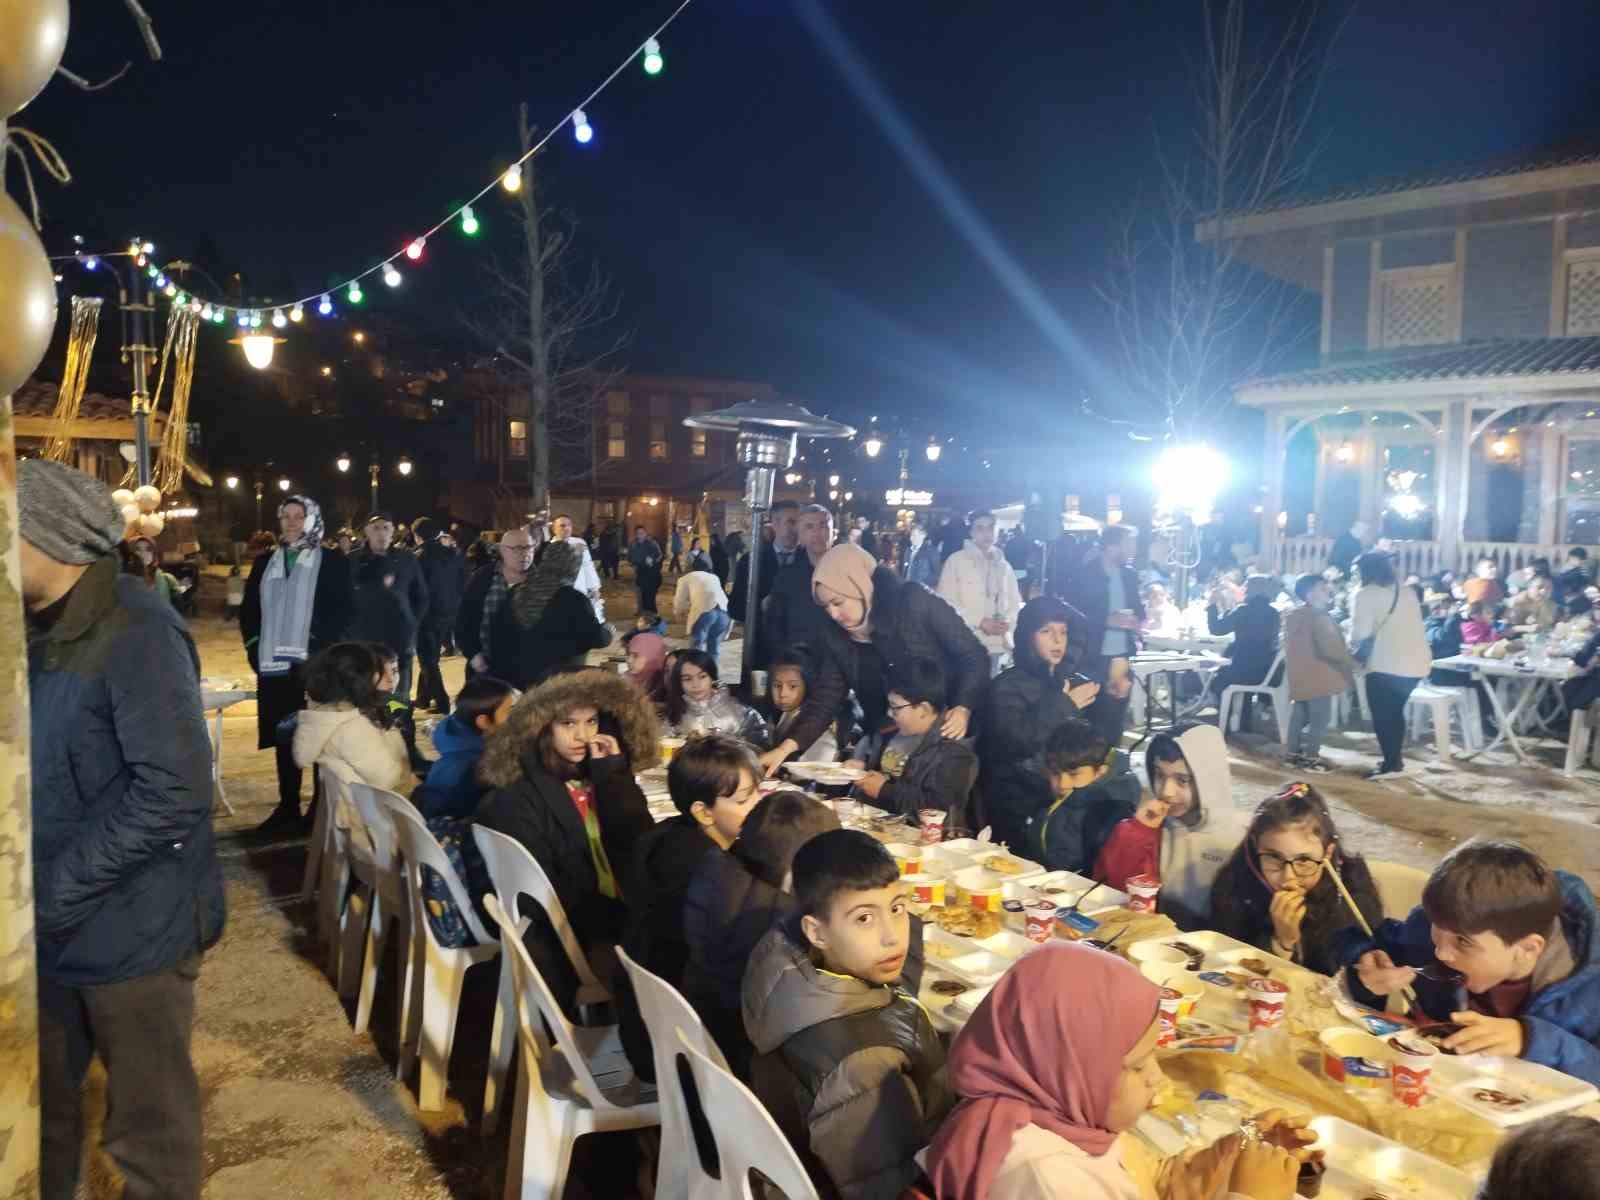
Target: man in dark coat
x,y
791,616
777,552
1106,591
126,888
644,553
280,690
391,599
445,575
485,592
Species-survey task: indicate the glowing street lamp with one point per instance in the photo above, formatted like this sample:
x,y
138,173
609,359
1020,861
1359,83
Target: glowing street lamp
x,y
343,463
934,450
872,445
283,484
231,483
257,346
404,465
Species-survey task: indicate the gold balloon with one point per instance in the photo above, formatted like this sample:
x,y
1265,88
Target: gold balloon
x,y
27,289
33,33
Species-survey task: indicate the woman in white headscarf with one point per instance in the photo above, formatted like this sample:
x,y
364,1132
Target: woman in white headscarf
x,y
296,601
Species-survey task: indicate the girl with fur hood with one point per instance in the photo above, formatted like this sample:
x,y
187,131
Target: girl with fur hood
x,y
561,767
1275,891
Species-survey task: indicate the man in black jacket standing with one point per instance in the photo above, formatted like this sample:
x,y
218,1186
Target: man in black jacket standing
x,y
127,891
792,615
391,599
445,575
1106,591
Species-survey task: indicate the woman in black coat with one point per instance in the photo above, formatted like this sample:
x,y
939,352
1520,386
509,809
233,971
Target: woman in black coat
x,y
876,619
1026,703
545,624
280,691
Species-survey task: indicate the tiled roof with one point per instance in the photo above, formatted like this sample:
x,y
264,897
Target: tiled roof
x,y
1468,360
1567,154
37,398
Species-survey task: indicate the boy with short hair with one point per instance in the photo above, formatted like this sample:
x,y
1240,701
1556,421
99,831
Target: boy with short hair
x,y
918,767
1523,940
452,788
712,781
1092,787
1320,667
849,1066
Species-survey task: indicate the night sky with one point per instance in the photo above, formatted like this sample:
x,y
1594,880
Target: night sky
x,y
756,207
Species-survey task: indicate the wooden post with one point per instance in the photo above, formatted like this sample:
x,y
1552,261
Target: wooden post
x,y
19,1002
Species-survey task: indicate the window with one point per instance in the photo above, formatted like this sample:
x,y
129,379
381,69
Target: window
x,y
697,437
518,440
1417,305
1580,515
616,425
659,406
1583,291
658,442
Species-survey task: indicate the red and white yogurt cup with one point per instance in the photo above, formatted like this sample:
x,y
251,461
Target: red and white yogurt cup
x,y
932,822
1410,1068
1041,920
1268,998
1167,1005
1142,893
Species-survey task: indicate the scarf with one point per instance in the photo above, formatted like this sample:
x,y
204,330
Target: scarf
x,y
1044,1048
847,569
653,649
311,536
557,568
287,598
492,600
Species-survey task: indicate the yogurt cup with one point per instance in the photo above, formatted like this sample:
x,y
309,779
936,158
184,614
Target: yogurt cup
x,y
926,889
907,857
1267,999
932,821
1167,1006
985,899
1411,1060
1354,1057
1142,891
1041,920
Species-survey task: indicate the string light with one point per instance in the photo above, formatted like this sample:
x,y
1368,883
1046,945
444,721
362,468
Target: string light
x,y
148,247
219,316
205,313
278,319
255,320
354,295
325,306
414,250
244,320
90,263
171,289
297,314
469,223
653,62
581,129
161,281
512,179
391,276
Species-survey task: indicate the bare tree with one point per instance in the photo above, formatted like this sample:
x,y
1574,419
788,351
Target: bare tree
x,y
546,319
1192,316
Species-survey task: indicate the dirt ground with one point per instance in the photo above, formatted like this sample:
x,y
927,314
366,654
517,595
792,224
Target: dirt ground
x,y
296,1105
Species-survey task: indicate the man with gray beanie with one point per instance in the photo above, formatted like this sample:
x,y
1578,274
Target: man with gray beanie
x,y
127,891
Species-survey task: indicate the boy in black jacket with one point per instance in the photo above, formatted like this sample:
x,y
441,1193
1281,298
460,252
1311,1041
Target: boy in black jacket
x,y
1094,790
918,767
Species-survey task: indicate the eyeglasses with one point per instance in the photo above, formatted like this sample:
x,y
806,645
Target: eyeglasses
x,y
894,708
1303,865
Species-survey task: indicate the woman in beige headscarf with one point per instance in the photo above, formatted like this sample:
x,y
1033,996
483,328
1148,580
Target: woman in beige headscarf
x,y
877,619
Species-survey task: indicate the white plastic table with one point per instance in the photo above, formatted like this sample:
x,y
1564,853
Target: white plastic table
x,y
1535,678
1194,643
215,696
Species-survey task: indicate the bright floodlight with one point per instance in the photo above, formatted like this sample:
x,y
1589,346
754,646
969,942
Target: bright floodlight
x,y
1188,479
934,450
873,445
1406,506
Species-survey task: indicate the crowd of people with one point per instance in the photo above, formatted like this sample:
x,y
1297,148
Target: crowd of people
x,y
797,941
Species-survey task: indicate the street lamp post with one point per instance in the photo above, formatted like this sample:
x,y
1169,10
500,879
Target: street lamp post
x,y
767,433
372,476
136,346
260,488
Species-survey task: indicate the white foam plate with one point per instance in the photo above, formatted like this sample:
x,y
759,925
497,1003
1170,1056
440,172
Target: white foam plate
x,y
1361,1164
1544,1090
1072,887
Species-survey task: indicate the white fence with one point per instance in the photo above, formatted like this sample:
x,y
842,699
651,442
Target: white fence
x,y
1298,555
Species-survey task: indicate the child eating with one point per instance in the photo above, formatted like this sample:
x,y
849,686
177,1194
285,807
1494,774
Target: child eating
x,y
1275,891
1516,943
1134,847
847,1064
1093,790
1055,1065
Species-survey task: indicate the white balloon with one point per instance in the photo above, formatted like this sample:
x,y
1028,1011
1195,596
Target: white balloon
x,y
27,293
147,497
33,33
122,497
151,525
130,514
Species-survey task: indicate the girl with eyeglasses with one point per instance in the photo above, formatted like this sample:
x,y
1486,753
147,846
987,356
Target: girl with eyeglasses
x,y
1276,891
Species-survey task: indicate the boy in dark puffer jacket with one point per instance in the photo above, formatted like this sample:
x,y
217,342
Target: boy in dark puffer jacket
x,y
848,1064
1094,790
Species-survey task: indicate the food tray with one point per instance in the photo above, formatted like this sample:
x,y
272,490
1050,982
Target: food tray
x,y
979,961
1074,886
1007,943
976,876
829,773
1221,950
1362,1165
1544,1089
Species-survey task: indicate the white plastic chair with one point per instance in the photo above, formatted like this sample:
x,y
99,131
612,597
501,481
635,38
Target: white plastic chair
x,y
666,1015
434,973
327,863
1399,887
378,867
747,1138
560,1095
515,874
1278,693
1581,740
1440,704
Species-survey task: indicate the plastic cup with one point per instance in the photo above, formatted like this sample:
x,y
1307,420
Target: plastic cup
x,y
1268,998
926,889
1410,1069
1354,1058
1142,893
1041,920
908,858
669,747
758,683
932,821
987,899
1167,1016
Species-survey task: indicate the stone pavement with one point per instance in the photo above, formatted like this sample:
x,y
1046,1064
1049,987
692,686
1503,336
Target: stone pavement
x,y
296,1105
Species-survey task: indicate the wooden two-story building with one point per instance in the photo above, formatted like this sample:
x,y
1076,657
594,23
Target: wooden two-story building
x,y
1456,409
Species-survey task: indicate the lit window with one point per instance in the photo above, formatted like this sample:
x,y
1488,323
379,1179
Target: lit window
x,y
697,443
658,440
616,439
519,439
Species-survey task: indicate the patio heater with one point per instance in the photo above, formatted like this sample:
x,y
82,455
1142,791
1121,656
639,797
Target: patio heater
x,y
768,431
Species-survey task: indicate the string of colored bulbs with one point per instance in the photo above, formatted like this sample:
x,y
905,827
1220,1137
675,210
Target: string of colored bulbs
x,y
649,56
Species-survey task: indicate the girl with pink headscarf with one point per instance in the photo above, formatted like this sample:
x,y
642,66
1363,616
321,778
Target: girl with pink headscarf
x,y
1057,1062
647,657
